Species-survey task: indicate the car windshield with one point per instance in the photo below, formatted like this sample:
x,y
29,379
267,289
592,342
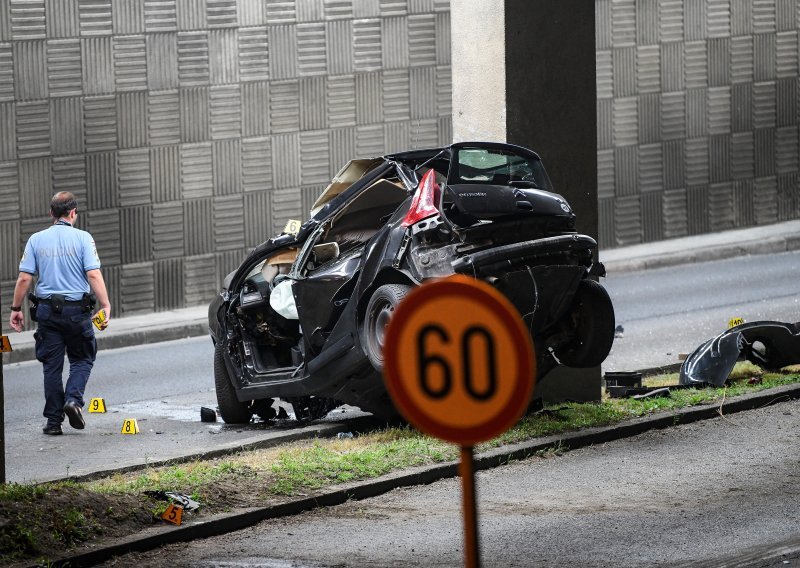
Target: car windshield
x,y
498,167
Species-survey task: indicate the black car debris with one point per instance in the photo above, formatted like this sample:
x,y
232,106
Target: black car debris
x,y
303,317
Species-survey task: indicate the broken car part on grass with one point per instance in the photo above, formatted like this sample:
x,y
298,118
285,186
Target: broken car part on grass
x,y
769,344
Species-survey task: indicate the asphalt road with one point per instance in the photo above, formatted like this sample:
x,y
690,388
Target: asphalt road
x,y
693,494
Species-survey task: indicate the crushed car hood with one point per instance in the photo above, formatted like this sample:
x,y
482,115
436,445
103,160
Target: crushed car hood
x,y
768,344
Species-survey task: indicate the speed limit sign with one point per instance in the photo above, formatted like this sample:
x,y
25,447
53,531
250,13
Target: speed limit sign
x,y
459,361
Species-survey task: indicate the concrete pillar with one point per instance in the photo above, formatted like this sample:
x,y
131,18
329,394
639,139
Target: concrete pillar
x,y
524,73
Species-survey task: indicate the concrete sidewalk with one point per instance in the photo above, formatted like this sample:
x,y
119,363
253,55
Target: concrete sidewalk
x,y
191,322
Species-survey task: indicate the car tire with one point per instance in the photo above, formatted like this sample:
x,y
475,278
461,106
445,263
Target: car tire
x,y
379,311
592,316
230,409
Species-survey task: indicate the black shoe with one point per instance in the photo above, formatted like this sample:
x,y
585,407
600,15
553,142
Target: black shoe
x,y
54,430
73,412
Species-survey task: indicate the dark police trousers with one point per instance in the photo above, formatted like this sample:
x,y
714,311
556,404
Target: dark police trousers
x,y
70,331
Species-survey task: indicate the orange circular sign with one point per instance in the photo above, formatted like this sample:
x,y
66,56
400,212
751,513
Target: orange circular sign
x,y
458,360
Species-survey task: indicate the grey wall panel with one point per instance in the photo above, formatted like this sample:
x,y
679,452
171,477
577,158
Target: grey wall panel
x,y
138,285
648,69
367,45
62,18
339,47
422,40
193,63
647,22
764,105
626,121
430,132
309,195
66,125
765,200
718,22
370,140
100,123
286,204
396,94
286,161
785,15
339,9
397,137
696,64
719,110
742,59
133,173
221,13
675,213
444,134
128,17
602,24
786,56
394,7
743,207
674,164
251,13
626,171
8,134
697,208
165,173
697,161
719,150
623,26
719,69
282,41
197,218
787,151
741,17
444,92
366,9
695,24
764,57
195,125
624,63
742,156
672,57
342,143
313,104
225,106
191,14
788,199
95,17
741,106
168,278
104,225
605,124
696,112
341,101
256,164
136,232
255,108
257,218
64,72
443,40
228,223
651,168
720,206
253,54
652,216
764,140
132,130
30,70
628,220
69,174
649,113
394,45
223,56
606,179
314,157
226,157
763,16
6,73
673,115
9,192
605,218
422,82
167,226
101,180
369,98
5,22
605,74
130,63
284,106
28,19
162,60
163,117
9,250
670,20
160,16
311,48
196,171
98,65
33,129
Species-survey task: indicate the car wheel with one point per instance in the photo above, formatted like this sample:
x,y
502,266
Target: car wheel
x,y
592,316
379,311
231,410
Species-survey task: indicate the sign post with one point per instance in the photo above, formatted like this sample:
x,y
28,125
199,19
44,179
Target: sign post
x,y
460,365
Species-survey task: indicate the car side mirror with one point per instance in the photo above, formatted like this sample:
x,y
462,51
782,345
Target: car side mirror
x,y
324,252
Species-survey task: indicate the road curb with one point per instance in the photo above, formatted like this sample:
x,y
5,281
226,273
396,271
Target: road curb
x,y
225,523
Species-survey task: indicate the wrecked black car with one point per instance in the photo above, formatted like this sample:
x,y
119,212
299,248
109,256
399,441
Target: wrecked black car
x,y
303,318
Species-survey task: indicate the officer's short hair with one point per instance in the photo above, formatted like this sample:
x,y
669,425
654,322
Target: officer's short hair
x,y
62,203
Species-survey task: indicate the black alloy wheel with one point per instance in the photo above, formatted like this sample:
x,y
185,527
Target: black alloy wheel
x,y
592,317
379,311
230,409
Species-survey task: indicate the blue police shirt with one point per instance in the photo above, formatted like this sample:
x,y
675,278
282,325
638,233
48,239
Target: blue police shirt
x,y
61,255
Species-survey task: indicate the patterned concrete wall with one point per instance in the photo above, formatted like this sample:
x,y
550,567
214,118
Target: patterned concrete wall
x,y
191,130
697,116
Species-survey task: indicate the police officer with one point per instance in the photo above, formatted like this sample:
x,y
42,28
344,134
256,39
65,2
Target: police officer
x,y
66,261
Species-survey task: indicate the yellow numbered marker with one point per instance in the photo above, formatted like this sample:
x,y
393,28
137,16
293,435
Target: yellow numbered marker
x,y
733,322
292,227
97,405
99,320
173,514
130,426
5,344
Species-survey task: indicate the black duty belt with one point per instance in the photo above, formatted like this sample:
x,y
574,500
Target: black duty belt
x,y
66,302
